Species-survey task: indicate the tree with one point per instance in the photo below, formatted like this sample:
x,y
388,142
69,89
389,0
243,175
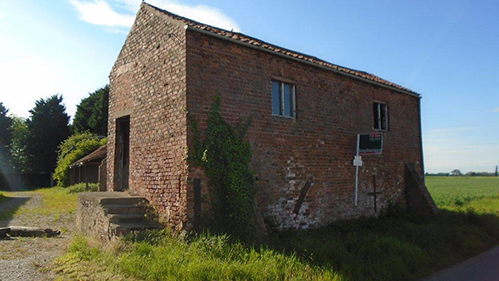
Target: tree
x,y
18,156
456,172
71,150
5,138
5,122
47,127
92,112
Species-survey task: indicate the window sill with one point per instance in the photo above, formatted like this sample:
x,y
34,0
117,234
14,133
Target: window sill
x,y
283,116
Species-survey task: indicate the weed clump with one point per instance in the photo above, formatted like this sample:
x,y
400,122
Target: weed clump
x,y
225,156
82,187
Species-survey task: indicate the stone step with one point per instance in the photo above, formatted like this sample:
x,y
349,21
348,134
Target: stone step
x,y
124,209
123,201
125,228
126,218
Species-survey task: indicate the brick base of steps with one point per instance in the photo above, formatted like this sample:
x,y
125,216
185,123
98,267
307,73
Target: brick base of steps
x,y
109,214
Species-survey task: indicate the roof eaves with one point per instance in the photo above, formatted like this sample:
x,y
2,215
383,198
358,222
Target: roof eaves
x,y
99,153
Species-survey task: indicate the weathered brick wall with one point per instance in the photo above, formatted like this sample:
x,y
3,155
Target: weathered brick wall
x,y
318,145
148,83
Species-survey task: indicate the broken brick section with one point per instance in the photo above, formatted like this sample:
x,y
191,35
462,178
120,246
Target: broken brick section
x,y
165,69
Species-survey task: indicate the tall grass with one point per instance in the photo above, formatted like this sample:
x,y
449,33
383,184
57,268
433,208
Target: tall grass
x,y
164,256
396,246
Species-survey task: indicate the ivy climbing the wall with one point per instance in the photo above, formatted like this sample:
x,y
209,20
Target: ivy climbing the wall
x,y
225,155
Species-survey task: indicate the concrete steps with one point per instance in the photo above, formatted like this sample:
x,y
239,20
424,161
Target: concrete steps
x,y
126,214
126,218
124,228
124,209
116,213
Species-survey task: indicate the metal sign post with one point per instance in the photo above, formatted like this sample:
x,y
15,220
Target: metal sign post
x,y
357,170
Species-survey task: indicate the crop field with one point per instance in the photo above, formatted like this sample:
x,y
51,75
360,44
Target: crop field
x,y
480,194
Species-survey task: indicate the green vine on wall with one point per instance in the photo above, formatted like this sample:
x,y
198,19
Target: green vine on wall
x,y
225,155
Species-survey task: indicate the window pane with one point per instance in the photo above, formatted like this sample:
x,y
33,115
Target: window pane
x,y
276,98
288,100
375,115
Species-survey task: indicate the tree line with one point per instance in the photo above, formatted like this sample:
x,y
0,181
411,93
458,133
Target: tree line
x,y
33,144
458,173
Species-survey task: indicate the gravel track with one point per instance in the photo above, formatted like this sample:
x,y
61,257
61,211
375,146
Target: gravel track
x,y
23,258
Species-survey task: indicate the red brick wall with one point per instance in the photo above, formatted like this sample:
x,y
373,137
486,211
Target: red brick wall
x,y
148,82
318,145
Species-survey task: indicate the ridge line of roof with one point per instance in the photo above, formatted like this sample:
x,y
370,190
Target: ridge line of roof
x,y
363,75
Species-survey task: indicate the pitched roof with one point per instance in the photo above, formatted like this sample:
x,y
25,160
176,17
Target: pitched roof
x,y
98,154
243,38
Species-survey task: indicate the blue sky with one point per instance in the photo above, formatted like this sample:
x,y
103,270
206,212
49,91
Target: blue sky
x,y
445,50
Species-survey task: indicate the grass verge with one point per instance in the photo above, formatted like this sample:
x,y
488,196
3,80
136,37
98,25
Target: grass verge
x,y
55,201
396,246
164,256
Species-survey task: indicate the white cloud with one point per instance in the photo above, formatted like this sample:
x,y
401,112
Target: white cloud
x,y
201,13
101,12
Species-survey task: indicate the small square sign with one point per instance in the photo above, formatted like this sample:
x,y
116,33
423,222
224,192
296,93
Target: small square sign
x,y
357,161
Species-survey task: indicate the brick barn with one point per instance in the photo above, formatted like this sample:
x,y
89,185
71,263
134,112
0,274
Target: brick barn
x,y
306,116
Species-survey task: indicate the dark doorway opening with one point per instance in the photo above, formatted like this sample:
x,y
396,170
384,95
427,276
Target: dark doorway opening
x,y
122,154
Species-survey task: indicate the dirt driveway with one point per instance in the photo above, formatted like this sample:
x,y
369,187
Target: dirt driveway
x,y
31,258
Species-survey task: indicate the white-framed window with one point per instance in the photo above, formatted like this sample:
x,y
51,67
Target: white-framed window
x,y
380,115
283,99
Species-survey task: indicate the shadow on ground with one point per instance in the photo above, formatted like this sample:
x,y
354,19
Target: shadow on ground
x,y
9,206
396,246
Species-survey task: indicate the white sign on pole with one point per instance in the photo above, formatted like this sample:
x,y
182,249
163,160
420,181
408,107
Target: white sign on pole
x,y
357,161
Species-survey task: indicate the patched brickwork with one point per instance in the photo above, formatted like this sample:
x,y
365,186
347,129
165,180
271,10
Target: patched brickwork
x,y
165,67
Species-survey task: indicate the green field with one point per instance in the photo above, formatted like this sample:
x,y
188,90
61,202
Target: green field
x,y
480,194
